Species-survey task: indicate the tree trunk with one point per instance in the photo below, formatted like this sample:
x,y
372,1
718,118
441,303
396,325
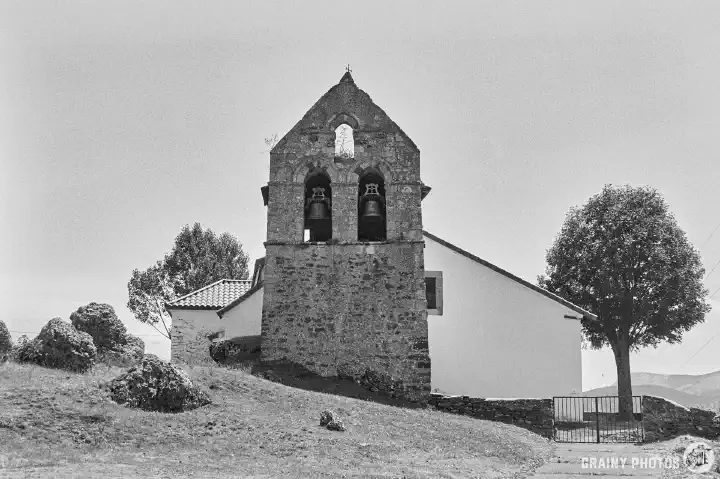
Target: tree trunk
x,y
622,363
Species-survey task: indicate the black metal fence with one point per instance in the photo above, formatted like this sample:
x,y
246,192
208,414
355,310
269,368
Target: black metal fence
x,y
596,419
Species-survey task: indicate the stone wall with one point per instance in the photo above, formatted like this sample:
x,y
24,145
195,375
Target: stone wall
x,y
663,419
351,310
190,335
533,414
309,147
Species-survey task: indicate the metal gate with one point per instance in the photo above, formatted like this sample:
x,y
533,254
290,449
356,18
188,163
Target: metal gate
x,y
596,419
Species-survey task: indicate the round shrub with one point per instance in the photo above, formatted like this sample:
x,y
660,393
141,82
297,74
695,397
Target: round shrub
x,y
125,355
156,385
59,345
17,348
134,347
6,342
100,321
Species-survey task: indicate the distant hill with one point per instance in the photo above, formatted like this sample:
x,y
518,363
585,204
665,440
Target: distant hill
x,y
702,384
701,391
687,400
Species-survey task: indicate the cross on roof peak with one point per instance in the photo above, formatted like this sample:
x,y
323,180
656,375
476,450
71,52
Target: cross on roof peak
x,y
347,77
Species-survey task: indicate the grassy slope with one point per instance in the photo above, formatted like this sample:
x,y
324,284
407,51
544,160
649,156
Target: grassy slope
x,y
58,424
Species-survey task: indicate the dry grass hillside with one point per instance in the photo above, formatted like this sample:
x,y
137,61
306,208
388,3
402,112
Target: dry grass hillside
x,y
59,424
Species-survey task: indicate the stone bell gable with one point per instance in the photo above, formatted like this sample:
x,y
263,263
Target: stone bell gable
x,y
344,273
379,144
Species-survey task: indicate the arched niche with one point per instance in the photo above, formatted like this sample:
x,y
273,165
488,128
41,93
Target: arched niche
x,y
318,206
372,215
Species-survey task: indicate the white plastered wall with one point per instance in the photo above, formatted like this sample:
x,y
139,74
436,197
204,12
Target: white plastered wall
x,y
244,319
497,338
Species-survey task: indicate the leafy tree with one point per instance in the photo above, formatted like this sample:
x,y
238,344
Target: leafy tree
x,y
623,257
148,291
199,257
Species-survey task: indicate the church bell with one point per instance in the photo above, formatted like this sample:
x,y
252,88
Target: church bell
x,y
372,211
318,211
318,206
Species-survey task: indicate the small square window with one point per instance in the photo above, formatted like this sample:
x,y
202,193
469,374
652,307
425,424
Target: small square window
x,y
434,292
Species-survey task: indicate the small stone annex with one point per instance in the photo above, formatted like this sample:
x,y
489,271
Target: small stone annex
x,y
195,320
352,286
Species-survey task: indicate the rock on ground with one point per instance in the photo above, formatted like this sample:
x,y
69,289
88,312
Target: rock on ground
x,y
336,425
59,345
330,420
6,343
326,417
156,385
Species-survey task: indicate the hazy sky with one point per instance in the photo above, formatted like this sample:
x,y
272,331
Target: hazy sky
x,y
122,121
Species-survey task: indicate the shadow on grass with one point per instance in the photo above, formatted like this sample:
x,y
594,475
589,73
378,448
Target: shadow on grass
x,y
245,353
298,376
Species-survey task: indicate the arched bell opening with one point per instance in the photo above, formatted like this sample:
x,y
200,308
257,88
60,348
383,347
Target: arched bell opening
x,y
318,207
372,220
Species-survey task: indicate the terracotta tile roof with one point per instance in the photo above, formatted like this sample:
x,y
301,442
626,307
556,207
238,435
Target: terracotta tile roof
x,y
213,296
258,286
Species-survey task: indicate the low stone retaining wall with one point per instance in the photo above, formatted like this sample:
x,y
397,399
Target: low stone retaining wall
x,y
663,419
533,414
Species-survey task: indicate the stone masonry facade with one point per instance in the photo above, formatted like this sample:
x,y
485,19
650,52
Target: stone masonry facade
x,y
190,340
345,307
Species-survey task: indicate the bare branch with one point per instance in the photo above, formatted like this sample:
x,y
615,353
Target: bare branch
x,y
161,310
156,329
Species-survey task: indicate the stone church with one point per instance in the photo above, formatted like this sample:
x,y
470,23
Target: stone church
x,y
351,285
